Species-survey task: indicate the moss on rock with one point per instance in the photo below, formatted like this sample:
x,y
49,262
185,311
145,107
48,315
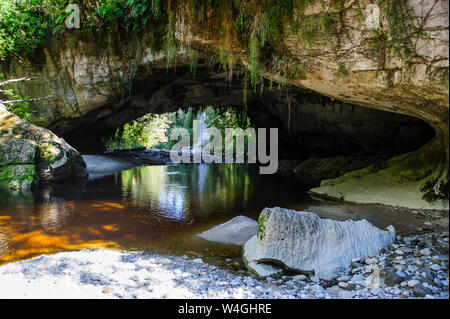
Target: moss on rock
x,y
17,176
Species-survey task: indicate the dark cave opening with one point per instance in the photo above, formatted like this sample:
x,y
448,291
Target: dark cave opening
x,y
310,124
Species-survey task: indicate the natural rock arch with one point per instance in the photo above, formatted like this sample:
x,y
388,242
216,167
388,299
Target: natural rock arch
x,y
94,76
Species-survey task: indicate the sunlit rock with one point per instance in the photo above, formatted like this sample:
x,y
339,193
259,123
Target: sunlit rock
x,y
303,241
30,154
235,231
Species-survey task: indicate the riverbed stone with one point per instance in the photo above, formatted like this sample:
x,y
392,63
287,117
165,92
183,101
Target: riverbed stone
x,y
421,291
303,241
236,231
394,277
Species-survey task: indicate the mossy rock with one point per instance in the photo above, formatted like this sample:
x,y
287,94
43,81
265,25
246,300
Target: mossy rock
x,y
16,151
49,153
17,176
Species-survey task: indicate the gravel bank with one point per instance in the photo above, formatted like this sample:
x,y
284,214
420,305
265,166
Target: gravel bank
x,y
412,267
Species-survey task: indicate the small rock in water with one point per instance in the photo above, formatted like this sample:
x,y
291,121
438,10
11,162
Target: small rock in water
x,y
197,261
235,231
425,252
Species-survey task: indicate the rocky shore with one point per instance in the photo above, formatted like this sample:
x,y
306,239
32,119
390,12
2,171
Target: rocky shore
x,y
150,156
412,267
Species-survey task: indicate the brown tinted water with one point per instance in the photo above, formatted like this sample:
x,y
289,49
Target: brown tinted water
x,y
160,209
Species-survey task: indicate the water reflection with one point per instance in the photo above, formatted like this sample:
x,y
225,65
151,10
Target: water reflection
x,y
184,192
153,207
159,208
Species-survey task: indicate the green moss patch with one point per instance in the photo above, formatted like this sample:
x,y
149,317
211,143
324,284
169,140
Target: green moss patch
x,y
17,176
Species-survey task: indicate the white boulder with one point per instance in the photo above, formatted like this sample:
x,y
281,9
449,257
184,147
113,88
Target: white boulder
x,y
302,241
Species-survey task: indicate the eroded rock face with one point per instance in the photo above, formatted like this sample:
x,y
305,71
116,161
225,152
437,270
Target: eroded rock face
x,y
314,170
30,155
303,241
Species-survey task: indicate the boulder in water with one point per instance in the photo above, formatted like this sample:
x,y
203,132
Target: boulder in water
x,y
302,241
236,231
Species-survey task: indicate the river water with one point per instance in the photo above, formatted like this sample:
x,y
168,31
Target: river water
x,y
159,208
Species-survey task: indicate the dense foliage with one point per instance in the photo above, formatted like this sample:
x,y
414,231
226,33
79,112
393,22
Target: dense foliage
x,y
26,24
153,130
253,25
16,103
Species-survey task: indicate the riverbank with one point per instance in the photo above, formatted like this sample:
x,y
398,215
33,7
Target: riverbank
x,y
413,267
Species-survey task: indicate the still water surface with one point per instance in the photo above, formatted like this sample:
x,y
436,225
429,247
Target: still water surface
x,y
156,208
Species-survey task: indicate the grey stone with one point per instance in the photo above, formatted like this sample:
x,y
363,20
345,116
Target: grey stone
x,y
412,283
252,252
235,231
425,252
421,291
394,278
435,267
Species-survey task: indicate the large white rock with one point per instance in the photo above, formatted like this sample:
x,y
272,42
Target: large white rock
x,y
236,231
253,252
303,241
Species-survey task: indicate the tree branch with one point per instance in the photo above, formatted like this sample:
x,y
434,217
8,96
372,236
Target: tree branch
x,y
16,80
26,100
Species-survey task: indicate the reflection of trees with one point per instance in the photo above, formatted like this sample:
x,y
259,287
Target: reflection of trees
x,y
13,197
53,216
182,191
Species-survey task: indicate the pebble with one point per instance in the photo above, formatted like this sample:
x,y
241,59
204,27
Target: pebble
x,y
425,252
300,277
107,290
398,267
435,267
315,279
375,291
421,291
370,261
343,284
413,283
343,278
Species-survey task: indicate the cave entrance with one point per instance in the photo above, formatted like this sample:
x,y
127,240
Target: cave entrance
x,y
309,125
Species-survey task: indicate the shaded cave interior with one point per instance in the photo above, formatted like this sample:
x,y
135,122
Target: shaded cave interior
x,y
310,124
